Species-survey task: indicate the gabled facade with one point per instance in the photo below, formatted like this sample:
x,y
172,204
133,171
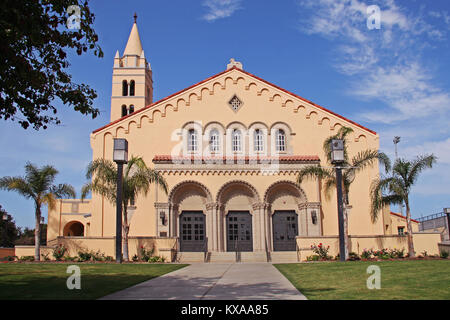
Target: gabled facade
x,y
230,148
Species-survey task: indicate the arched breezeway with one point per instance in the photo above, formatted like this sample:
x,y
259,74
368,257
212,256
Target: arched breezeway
x,y
73,229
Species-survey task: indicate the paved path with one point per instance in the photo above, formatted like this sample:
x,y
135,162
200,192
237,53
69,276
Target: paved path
x,y
214,281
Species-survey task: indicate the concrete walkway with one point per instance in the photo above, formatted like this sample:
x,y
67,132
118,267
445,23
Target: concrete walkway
x,y
214,281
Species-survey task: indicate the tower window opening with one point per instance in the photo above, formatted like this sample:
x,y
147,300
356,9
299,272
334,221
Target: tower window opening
x,y
132,86
124,88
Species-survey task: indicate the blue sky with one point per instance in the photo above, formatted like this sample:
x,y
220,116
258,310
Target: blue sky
x,y
393,80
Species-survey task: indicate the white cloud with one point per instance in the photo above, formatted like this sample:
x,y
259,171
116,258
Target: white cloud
x,y
387,62
218,9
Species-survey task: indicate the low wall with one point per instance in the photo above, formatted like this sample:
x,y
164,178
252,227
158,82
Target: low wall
x,y
422,242
22,251
5,252
106,245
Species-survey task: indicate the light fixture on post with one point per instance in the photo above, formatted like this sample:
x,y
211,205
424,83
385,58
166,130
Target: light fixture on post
x,y
120,156
338,158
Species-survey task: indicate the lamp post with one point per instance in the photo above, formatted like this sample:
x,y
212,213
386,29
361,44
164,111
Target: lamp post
x,y
337,158
447,212
5,232
120,156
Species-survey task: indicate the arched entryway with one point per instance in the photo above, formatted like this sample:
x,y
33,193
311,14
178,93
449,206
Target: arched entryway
x,y
191,219
236,200
73,229
284,199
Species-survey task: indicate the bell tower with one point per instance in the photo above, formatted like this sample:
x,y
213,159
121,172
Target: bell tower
x,y
132,81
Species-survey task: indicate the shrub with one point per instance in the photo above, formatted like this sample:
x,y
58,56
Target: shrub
x,y
444,254
353,256
84,256
314,257
9,258
26,258
59,252
69,258
109,258
156,259
366,254
98,256
321,251
146,254
397,253
135,258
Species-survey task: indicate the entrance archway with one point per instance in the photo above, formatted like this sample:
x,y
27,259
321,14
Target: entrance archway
x,y
236,200
283,199
190,218
73,229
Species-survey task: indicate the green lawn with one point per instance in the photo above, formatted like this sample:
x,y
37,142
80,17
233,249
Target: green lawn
x,y
48,280
405,280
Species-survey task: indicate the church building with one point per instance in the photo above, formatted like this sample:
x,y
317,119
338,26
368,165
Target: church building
x,y
230,148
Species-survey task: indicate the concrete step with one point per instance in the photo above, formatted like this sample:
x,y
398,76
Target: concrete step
x,y
283,256
222,257
259,256
186,257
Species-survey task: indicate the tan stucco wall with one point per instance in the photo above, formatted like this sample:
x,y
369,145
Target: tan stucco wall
x,y
67,211
151,132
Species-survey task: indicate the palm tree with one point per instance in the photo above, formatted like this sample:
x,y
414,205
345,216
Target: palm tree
x,y
398,187
137,178
38,186
350,168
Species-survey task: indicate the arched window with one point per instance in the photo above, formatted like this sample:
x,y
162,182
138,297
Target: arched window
x,y
281,140
214,143
124,88
132,88
236,143
258,140
192,140
124,110
131,109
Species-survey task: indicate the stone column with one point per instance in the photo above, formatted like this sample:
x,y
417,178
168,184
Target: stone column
x,y
268,226
221,225
258,212
302,219
211,226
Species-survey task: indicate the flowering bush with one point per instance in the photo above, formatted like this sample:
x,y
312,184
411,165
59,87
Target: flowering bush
x,y
366,254
146,254
59,252
321,251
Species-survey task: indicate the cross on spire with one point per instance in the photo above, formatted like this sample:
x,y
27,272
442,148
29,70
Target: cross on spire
x,y
135,17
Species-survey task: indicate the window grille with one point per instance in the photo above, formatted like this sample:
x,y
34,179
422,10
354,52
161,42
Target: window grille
x,y
235,103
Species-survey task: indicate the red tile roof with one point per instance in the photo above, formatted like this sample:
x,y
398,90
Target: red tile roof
x,y
400,216
219,74
284,159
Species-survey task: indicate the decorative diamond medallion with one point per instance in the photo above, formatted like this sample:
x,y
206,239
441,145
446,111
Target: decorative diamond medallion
x,y
235,103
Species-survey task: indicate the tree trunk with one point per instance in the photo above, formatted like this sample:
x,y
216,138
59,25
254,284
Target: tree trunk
x,y
37,234
125,230
411,251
